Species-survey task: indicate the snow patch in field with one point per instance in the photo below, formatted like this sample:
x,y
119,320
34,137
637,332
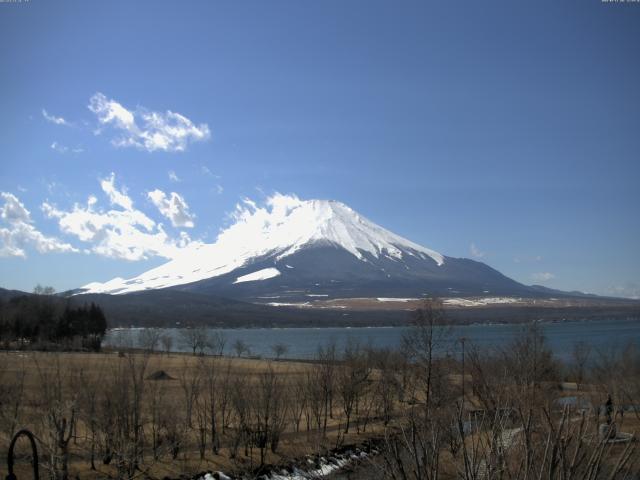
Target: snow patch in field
x,y
220,475
478,302
263,274
320,468
389,299
282,304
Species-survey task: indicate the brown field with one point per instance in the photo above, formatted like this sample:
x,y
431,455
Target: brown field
x,y
76,373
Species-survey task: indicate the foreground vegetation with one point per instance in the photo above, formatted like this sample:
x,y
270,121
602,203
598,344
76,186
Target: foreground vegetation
x,y
485,414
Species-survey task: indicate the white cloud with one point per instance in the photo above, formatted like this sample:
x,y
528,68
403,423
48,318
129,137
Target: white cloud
x,y
53,119
64,149
122,232
174,207
207,171
116,197
59,148
20,232
172,176
13,211
147,130
543,276
219,189
475,251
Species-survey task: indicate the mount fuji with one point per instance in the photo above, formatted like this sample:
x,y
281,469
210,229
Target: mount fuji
x,y
294,250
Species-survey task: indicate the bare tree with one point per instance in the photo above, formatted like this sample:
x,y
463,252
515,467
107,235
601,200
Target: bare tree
x,y
190,383
240,347
223,385
490,379
558,447
217,342
326,365
195,339
316,398
617,373
529,358
149,338
268,408
211,400
166,341
202,411
428,336
414,446
90,386
122,421
241,405
157,408
12,391
59,405
172,423
352,376
580,355
279,349
387,388
298,393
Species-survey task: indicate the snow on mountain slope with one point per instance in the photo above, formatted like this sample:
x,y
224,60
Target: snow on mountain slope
x,y
264,274
282,227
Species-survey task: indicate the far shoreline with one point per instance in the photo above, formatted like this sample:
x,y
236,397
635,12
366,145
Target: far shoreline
x,y
364,327
503,315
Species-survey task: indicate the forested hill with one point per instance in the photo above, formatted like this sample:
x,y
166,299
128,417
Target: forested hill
x,y
42,320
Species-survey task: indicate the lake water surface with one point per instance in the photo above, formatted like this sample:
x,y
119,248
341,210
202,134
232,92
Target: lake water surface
x,y
302,343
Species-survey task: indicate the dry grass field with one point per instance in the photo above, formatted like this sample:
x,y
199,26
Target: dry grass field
x,y
174,410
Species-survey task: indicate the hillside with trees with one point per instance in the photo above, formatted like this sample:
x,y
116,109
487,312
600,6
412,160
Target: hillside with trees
x,y
44,321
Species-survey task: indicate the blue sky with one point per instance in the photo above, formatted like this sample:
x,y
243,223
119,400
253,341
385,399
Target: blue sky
x,y
502,131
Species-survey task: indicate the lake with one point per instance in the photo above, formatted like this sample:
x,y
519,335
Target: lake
x,y
302,343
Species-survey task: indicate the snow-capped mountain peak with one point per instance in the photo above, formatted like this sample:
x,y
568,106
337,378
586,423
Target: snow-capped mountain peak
x,y
280,228
339,224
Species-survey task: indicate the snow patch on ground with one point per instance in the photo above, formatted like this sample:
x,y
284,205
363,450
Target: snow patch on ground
x,y
389,299
478,302
321,467
220,475
283,304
